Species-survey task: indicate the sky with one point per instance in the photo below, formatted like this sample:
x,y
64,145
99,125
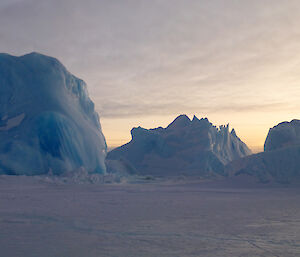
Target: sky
x,y
146,62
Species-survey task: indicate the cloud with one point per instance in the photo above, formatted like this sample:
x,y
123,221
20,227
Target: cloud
x,y
117,110
162,57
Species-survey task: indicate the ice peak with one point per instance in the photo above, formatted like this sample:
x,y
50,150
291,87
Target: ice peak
x,y
180,122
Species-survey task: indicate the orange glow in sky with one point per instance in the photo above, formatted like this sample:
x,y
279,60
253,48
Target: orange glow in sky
x,y
146,62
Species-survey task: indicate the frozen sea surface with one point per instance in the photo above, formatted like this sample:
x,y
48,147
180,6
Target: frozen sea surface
x,y
157,219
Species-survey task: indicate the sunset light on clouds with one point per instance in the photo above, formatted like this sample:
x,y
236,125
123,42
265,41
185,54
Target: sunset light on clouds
x,y
146,62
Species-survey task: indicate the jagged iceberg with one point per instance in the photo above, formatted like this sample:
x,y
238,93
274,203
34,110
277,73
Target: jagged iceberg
x,y
185,147
47,121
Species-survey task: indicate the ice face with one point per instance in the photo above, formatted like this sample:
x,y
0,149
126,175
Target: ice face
x,y
47,120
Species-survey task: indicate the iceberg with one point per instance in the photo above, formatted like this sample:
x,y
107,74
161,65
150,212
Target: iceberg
x,y
48,123
185,147
280,160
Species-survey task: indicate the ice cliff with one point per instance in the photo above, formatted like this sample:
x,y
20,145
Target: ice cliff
x,y
185,147
48,123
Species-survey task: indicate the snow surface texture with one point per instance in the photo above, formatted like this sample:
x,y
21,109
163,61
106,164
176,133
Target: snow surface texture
x,y
281,159
185,147
191,218
47,121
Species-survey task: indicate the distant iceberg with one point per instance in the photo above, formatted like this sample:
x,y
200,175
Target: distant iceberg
x,y
185,147
280,160
48,123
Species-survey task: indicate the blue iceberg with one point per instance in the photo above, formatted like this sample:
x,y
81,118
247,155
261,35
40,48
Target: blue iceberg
x,y
48,123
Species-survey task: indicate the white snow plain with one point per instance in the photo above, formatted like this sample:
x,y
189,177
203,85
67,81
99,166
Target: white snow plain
x,y
154,219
